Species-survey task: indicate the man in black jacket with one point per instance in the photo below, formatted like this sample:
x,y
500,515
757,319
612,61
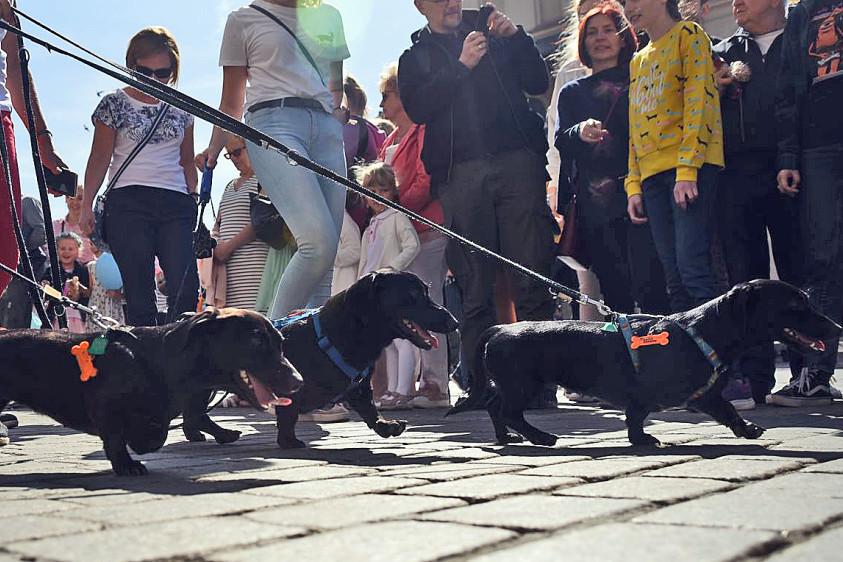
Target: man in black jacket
x,y
485,151
810,162
749,202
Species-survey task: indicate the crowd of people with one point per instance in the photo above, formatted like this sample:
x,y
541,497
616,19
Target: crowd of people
x,y
669,156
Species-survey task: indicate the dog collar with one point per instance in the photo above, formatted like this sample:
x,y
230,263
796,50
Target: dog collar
x,y
356,375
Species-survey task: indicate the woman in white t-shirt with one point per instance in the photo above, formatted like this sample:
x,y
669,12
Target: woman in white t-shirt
x,y
289,83
151,209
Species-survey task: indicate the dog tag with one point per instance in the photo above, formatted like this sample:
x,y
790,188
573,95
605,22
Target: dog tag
x,y
609,327
662,338
98,345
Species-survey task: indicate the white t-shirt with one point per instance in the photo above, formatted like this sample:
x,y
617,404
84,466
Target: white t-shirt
x,y
765,41
5,99
276,65
157,164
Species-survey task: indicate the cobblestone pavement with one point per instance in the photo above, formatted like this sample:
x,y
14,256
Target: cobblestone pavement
x,y
441,491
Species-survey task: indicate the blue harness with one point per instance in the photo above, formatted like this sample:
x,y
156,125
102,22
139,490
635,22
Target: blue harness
x,y
718,368
356,376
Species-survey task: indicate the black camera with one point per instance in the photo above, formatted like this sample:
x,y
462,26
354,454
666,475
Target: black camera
x,y
483,18
65,182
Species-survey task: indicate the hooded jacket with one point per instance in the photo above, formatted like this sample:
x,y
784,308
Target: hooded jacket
x,y
471,114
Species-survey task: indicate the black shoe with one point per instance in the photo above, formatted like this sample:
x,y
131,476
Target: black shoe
x,y
9,420
4,435
806,390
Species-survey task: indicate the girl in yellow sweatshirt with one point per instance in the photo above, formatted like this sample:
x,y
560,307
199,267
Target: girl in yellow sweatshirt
x,y
675,146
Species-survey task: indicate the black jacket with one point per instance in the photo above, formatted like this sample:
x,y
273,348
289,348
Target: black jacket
x,y
472,113
749,125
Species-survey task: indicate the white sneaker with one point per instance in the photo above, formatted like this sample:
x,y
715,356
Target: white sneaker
x,y
426,402
579,398
335,413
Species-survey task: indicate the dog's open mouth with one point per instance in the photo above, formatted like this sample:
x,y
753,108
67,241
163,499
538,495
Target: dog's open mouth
x,y
418,336
260,395
801,340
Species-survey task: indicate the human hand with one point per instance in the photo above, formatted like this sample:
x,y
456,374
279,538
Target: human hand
x,y
635,209
685,193
86,220
592,131
789,181
73,287
474,48
206,158
500,25
223,250
723,77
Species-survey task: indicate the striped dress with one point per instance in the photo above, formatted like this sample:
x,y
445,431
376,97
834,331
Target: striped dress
x,y
245,267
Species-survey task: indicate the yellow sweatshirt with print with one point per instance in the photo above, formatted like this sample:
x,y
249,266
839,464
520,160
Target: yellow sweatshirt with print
x,y
674,108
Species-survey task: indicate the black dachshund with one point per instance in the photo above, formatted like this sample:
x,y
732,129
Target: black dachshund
x,y
514,361
359,323
146,376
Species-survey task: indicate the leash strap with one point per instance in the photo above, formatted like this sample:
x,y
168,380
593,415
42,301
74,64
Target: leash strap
x,y
625,328
356,375
718,368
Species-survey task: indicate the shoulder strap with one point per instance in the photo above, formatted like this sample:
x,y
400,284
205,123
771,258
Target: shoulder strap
x,y
143,142
362,138
290,31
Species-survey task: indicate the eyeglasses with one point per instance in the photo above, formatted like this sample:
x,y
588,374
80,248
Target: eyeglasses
x,y
386,93
157,72
234,153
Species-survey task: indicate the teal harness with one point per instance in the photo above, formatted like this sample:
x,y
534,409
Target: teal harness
x,y
621,323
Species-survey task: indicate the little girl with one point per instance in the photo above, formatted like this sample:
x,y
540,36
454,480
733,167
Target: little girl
x,y
675,147
107,302
390,241
74,277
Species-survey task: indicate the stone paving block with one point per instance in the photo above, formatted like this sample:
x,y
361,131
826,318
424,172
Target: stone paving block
x,y
829,443
734,442
36,526
444,472
805,484
833,467
200,505
407,541
172,539
647,488
300,474
491,486
34,506
532,460
353,510
601,469
533,512
751,508
625,542
729,468
108,497
337,487
468,453
821,548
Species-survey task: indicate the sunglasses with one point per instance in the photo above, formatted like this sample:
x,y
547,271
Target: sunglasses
x,y
157,72
234,153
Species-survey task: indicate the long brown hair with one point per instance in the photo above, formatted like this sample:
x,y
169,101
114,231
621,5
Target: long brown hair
x,y
629,43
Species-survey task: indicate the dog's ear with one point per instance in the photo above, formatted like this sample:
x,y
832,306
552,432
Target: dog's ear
x,y
182,332
743,303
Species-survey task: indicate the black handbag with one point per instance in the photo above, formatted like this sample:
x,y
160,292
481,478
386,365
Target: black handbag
x,y
99,236
268,223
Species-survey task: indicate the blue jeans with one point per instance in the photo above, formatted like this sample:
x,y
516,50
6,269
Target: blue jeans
x,y
683,238
311,205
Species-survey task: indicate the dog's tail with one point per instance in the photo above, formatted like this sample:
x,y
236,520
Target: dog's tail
x,y
479,390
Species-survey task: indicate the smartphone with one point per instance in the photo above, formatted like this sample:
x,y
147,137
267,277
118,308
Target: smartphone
x,y
64,183
483,18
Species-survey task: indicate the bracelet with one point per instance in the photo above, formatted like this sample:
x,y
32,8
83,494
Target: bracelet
x,y
44,131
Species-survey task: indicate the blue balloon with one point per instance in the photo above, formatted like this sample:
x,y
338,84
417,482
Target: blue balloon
x,y
108,274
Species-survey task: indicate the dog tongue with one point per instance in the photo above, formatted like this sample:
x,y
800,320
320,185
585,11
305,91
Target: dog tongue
x,y
265,396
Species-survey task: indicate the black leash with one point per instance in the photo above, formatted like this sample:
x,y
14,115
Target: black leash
x,y
227,123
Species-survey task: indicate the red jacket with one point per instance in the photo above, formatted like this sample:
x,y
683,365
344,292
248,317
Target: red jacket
x,y
413,180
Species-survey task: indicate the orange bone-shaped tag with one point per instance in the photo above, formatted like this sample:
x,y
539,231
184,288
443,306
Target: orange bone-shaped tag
x,y
662,338
86,363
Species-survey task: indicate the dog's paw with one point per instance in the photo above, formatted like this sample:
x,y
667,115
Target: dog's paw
x,y
749,431
194,435
131,468
510,437
291,443
392,428
223,436
644,440
544,439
